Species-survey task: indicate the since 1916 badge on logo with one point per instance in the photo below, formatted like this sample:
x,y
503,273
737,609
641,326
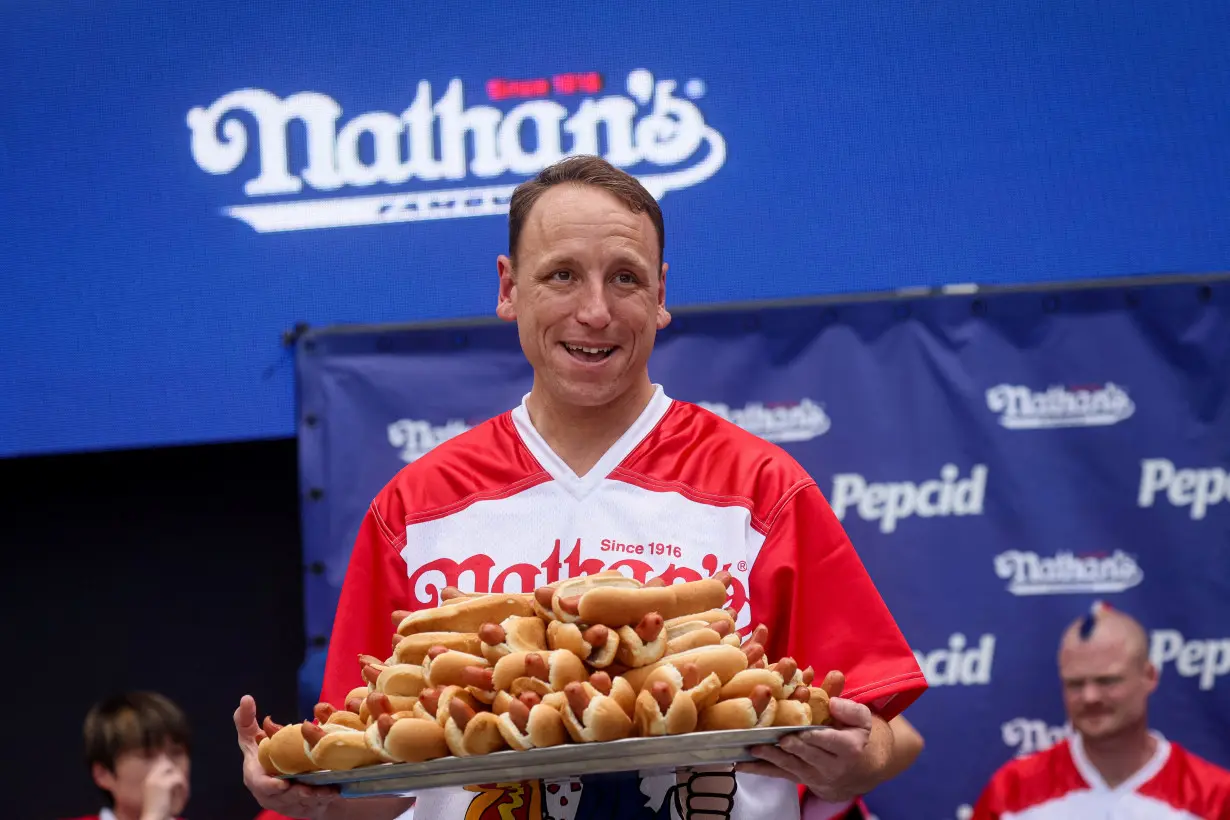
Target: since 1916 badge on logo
x,y
443,150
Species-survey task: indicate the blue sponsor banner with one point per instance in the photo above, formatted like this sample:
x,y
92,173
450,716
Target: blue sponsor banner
x,y
1000,461
183,182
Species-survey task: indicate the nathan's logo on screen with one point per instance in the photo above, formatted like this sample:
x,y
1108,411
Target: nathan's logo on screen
x,y
891,501
777,422
1026,735
415,439
1198,488
1029,573
1204,659
1083,406
442,151
958,664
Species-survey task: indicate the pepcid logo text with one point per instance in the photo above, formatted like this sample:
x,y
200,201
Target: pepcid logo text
x,y
778,422
415,438
891,501
959,664
445,149
1029,573
1026,736
1205,659
1198,488
1023,409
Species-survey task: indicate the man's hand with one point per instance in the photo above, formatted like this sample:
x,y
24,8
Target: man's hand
x,y
166,790
836,764
292,800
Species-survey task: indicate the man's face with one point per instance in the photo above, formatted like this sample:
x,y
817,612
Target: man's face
x,y
127,782
587,276
1106,685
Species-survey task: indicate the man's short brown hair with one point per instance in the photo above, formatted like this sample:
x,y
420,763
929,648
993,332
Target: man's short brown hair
x,y
583,170
133,722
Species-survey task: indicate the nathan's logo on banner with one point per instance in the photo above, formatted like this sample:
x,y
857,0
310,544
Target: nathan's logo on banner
x,y
1065,572
1086,406
1027,736
777,422
1207,659
890,502
444,150
1198,488
958,664
415,439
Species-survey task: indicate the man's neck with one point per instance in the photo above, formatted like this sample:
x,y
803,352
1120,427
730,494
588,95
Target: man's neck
x,y
580,436
1119,757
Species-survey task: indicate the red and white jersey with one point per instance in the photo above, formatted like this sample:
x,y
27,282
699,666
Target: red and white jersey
x,y
1060,783
682,495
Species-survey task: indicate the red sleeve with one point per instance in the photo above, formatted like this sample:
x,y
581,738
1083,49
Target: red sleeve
x,y
809,587
376,584
990,803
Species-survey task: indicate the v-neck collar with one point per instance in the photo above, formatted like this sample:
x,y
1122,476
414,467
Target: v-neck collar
x,y
1146,772
555,466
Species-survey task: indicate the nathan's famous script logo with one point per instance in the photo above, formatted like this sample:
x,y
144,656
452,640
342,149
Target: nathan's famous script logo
x,y
1032,574
778,422
443,149
1094,406
415,438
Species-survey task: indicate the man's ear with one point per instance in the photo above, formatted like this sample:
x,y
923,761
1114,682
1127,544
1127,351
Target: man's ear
x,y
103,777
504,307
664,316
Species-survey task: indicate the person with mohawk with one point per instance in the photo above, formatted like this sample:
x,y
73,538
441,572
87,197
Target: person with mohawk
x,y
1113,766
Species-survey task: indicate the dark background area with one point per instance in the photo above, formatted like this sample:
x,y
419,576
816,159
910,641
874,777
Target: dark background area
x,y
175,569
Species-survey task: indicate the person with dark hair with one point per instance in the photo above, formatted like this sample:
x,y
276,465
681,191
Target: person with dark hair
x,y
596,450
138,745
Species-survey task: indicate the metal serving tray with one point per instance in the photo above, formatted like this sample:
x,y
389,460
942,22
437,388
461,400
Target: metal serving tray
x,y
641,754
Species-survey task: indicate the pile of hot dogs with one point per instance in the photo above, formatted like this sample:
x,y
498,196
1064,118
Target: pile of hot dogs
x,y
590,659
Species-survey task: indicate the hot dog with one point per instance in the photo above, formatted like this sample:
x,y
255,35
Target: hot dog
x,y
777,679
530,724
686,677
724,661
406,739
617,689
329,717
445,667
413,648
284,749
514,634
339,750
467,615
659,711
643,644
693,634
753,712
596,646
591,717
552,670
566,594
616,606
468,732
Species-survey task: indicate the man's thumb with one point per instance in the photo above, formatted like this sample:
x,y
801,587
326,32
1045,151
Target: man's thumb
x,y
849,713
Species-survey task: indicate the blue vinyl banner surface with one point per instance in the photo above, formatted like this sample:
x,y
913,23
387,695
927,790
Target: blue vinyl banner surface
x,y
180,183
1000,462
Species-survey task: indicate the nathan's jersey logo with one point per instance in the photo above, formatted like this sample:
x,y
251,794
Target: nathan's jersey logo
x,y
1031,574
1022,409
443,149
778,422
415,438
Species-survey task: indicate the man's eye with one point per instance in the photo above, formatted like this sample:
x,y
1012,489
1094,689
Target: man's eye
x,y
561,275
626,278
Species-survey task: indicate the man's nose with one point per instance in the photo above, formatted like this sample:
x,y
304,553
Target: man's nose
x,y
594,309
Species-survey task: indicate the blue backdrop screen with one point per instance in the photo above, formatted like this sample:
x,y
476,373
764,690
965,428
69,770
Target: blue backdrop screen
x,y
181,183
999,462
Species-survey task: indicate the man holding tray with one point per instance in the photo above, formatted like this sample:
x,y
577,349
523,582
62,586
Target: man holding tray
x,y
598,455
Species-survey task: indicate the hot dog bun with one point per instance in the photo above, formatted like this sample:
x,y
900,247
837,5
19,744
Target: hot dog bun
x,y
402,679
616,606
567,593
543,726
469,733
679,717
407,740
516,633
593,718
754,712
724,661
467,614
703,691
562,668
287,751
339,750
413,648
447,669
792,713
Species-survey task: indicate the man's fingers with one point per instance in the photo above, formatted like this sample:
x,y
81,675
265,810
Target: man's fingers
x,y
849,713
842,743
795,767
764,770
